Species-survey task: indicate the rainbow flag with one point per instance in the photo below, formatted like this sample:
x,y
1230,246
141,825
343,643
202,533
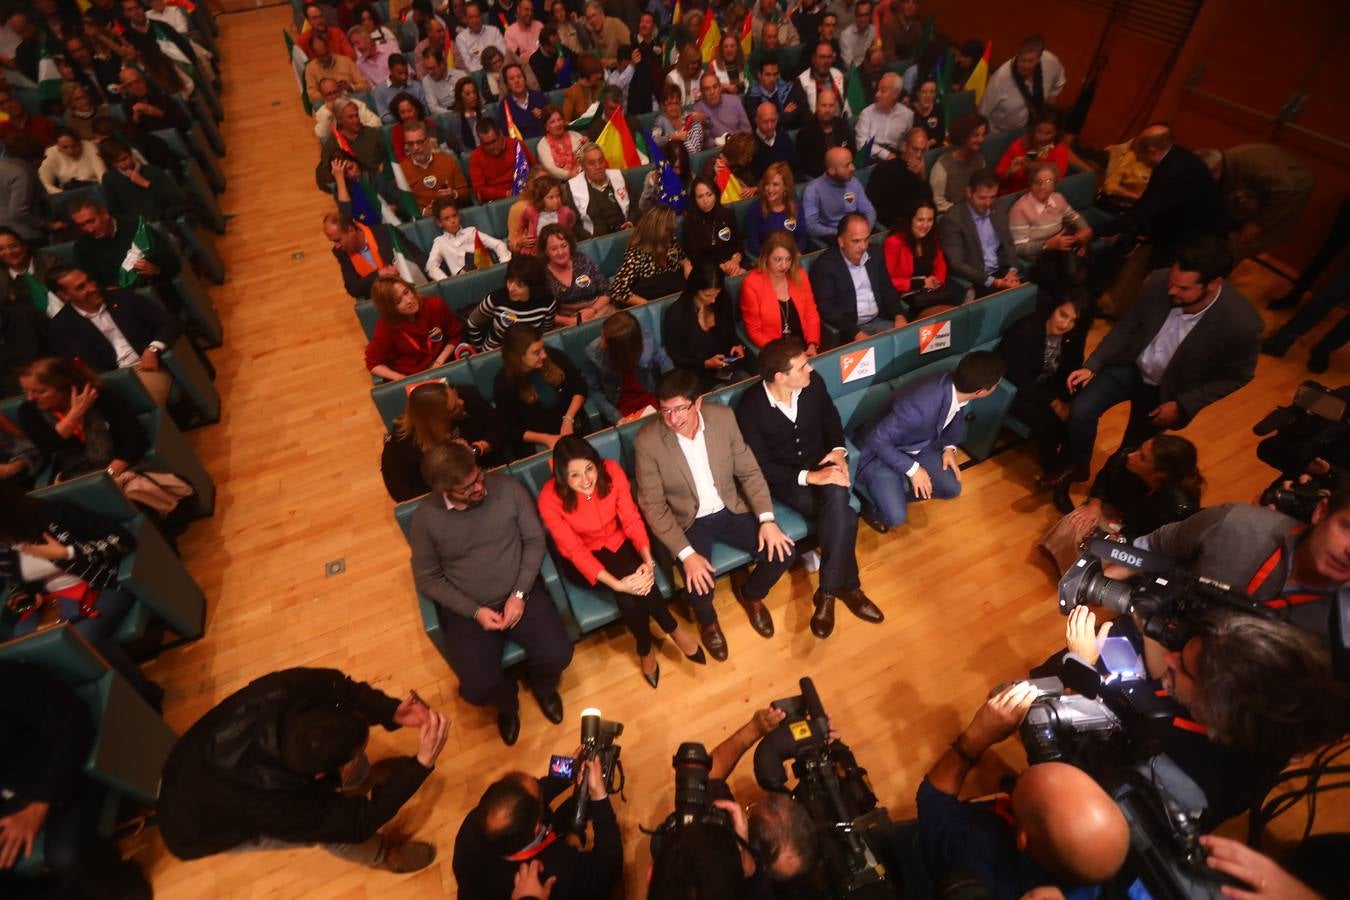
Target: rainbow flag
x,y
747,38
979,76
621,149
730,186
709,36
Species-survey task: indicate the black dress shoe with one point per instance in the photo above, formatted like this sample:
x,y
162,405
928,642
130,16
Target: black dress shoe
x,y
1052,479
861,606
1063,502
654,678
552,707
715,641
822,620
760,619
508,726
873,522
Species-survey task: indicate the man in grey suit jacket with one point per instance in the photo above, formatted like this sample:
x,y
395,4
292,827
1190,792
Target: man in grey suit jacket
x,y
976,240
699,485
1189,340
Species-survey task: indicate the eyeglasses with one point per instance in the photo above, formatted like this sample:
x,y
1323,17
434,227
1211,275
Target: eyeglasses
x,y
465,490
670,412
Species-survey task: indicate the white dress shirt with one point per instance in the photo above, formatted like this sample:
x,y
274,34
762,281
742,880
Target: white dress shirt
x,y
862,288
695,450
127,358
448,251
469,47
886,130
1157,356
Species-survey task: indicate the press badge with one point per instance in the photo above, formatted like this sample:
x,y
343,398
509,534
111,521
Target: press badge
x,y
435,335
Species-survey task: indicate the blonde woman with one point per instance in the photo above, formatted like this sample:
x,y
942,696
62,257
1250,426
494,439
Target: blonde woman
x,y
776,297
654,265
776,211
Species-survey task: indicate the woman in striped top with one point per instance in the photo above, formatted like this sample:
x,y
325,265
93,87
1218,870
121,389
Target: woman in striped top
x,y
526,298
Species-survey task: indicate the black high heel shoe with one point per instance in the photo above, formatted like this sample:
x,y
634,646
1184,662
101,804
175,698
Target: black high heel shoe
x,y
655,678
698,657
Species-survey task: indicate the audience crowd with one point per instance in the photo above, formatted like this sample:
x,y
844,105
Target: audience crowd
x,y
821,181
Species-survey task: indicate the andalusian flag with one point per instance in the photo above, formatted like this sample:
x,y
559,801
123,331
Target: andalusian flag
x,y
926,37
855,96
621,150
407,269
747,38
139,250
43,300
979,76
583,121
404,189
709,36
48,77
482,259
729,184
298,61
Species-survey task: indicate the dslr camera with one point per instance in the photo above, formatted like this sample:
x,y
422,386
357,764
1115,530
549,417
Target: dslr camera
x,y
1316,425
692,763
835,791
597,742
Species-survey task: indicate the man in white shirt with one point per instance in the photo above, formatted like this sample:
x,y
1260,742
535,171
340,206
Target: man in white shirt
x,y
454,247
1022,86
371,58
122,330
858,38
323,113
885,122
477,37
698,484
909,452
439,84
1188,340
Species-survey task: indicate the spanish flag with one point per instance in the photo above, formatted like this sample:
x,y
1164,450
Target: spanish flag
x,y
482,259
621,150
746,34
709,36
979,76
728,183
678,17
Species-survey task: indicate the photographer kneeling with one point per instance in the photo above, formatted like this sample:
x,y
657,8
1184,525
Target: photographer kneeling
x,y
1059,828
513,831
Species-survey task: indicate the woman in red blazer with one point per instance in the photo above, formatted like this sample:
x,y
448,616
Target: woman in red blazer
x,y
589,511
916,264
776,298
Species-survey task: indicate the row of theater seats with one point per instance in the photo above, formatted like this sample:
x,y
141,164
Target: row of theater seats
x,y
132,741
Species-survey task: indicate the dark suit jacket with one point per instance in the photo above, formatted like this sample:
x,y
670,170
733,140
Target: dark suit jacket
x,y
961,243
782,447
912,423
665,486
838,301
102,258
894,189
140,319
1023,349
1181,202
1215,359
24,337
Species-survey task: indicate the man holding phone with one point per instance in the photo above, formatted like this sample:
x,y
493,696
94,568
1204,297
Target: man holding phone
x,y
792,426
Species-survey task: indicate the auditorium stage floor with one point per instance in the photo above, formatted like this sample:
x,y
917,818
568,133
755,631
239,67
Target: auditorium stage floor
x,y
968,601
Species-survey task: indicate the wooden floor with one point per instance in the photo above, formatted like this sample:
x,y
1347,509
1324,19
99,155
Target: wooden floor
x,y
969,603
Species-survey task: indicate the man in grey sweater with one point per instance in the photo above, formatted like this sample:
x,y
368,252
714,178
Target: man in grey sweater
x,y
477,544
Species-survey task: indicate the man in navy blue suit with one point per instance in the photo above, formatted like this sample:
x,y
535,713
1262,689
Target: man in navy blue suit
x,y
853,290
909,451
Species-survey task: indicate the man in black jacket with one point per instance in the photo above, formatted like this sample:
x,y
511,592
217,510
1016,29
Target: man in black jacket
x,y
1188,340
854,291
281,763
105,244
513,829
791,425
45,803
899,183
24,337
119,330
1181,202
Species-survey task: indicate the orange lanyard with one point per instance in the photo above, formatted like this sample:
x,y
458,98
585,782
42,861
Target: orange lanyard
x,y
1282,600
531,852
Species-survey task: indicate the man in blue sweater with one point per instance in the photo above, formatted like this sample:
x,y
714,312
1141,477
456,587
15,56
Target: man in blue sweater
x,y
834,195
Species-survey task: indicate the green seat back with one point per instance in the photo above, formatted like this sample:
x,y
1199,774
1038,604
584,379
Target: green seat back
x,y
997,143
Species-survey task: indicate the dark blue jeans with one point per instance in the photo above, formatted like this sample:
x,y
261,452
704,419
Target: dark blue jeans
x,y
740,532
892,492
1113,384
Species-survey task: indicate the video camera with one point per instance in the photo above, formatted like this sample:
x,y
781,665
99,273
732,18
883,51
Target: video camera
x,y
1169,600
1316,425
833,788
597,742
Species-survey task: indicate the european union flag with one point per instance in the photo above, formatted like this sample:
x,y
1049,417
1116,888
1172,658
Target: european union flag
x,y
522,170
669,188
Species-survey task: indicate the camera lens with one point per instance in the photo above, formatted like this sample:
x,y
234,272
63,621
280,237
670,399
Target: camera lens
x,y
1098,590
692,764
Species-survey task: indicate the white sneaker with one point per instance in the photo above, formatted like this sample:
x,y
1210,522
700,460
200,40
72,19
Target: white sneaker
x,y
811,560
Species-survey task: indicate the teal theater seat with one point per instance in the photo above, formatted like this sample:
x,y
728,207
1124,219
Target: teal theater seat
x,y
391,397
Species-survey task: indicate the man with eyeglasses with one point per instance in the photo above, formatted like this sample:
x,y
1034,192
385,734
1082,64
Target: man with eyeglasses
x,y
821,75
897,184
431,174
693,466
477,545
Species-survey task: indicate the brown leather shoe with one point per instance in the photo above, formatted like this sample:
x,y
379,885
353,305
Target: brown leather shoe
x,y
715,641
760,619
822,620
858,604
408,856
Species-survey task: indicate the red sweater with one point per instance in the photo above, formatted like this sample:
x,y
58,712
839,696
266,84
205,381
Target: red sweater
x,y
900,263
412,347
1010,181
762,315
491,176
598,523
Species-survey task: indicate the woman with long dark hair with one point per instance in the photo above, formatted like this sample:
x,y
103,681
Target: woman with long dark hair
x,y
588,509
1040,350
699,329
437,413
622,367
916,265
710,230
538,392
406,110
60,564
467,109
678,157
526,298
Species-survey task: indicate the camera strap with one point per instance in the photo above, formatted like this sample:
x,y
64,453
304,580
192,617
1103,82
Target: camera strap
x,y
534,849
1283,599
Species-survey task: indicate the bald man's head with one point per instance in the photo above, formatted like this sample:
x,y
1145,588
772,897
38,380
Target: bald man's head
x,y
1068,825
1153,144
839,164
